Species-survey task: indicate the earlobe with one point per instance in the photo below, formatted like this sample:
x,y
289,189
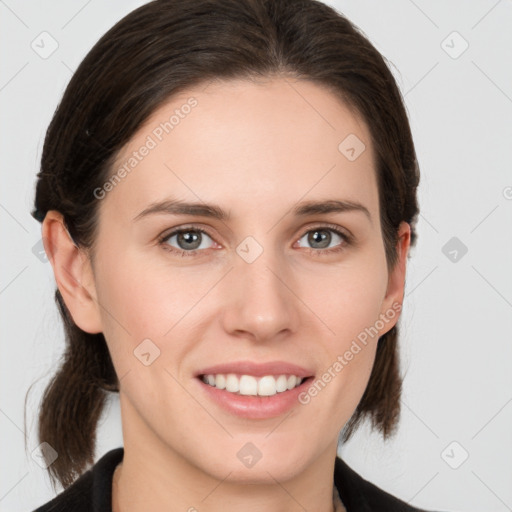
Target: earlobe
x,y
73,273
396,282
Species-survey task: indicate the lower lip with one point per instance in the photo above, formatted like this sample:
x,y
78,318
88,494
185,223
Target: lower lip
x,y
255,407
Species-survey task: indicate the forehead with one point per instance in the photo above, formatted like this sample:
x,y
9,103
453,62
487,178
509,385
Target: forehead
x,y
276,141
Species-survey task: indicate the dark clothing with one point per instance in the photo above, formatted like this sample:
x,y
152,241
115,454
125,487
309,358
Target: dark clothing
x,y
92,491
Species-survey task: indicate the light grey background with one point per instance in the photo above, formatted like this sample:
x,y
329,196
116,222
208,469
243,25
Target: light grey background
x,y
456,324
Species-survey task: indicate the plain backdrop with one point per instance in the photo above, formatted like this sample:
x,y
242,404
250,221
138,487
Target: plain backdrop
x,y
452,61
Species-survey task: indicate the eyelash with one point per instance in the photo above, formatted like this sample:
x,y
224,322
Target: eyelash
x,y
348,240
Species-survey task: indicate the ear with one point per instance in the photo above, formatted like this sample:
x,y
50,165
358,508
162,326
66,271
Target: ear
x,y
392,303
73,273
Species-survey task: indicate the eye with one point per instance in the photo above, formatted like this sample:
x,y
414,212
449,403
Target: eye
x,y
189,241
321,237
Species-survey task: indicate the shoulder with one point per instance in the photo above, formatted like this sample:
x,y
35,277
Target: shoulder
x,y
76,497
360,495
92,491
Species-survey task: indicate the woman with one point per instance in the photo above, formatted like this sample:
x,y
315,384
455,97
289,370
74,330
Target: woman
x,y
228,197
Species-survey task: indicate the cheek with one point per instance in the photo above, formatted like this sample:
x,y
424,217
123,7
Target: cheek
x,y
147,300
349,306
348,299
145,296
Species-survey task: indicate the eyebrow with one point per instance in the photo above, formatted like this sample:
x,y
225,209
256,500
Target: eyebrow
x,y
176,207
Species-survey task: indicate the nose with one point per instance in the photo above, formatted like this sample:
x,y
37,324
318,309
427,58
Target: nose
x,y
260,303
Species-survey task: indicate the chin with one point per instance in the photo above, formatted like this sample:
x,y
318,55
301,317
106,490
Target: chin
x,y
249,465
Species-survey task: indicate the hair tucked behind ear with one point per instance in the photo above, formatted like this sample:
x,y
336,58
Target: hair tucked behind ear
x,y
161,49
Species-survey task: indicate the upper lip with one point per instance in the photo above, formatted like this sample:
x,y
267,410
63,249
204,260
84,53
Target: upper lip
x,y
257,369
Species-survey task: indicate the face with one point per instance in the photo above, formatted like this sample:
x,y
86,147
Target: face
x,y
270,281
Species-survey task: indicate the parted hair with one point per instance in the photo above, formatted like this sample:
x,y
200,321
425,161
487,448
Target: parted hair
x,y
156,51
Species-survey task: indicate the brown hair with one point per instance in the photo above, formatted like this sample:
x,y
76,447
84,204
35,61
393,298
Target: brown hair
x,y
165,47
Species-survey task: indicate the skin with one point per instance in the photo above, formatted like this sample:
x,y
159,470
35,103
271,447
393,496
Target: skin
x,y
255,149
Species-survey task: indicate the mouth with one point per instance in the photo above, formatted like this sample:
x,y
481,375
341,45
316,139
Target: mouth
x,y
252,391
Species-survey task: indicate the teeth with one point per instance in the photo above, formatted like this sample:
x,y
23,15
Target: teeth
x,y
219,381
248,385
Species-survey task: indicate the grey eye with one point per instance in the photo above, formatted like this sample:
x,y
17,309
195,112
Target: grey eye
x,y
189,239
